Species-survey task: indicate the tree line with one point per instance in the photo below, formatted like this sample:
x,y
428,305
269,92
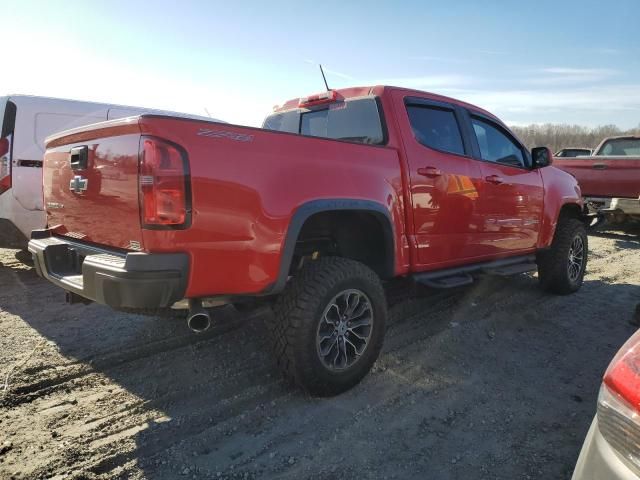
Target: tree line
x,y
557,136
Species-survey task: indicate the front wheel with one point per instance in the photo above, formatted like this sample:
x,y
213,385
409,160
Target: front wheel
x,y
328,325
561,268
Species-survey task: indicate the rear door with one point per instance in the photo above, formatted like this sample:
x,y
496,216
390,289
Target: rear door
x,y
512,194
444,181
7,126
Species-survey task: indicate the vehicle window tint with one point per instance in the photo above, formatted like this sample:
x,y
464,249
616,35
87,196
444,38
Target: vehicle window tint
x,y
496,146
352,120
283,122
7,117
573,152
621,147
436,128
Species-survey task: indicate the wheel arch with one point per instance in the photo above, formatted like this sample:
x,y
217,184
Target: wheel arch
x,y
308,210
570,209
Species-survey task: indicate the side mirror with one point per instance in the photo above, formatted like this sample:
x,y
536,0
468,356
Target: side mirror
x,y
541,157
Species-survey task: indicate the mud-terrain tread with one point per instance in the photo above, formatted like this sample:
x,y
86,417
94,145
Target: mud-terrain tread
x,y
552,263
295,307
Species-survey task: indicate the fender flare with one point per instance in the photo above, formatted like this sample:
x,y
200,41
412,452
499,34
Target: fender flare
x,y
306,210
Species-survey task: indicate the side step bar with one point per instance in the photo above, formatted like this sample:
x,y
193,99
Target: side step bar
x,y
459,276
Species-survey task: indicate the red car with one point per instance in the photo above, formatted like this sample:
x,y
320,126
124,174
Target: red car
x,y
338,193
610,178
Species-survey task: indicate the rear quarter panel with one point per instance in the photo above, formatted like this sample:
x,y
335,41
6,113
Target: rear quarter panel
x,y
246,185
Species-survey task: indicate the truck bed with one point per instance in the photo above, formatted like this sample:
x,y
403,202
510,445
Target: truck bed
x,y
603,176
244,186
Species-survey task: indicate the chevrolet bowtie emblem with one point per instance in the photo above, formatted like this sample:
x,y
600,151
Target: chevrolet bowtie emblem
x,y
78,184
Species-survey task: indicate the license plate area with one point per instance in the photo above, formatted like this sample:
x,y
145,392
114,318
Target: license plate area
x,y
63,260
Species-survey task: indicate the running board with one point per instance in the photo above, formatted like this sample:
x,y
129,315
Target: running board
x,y
448,282
511,269
460,276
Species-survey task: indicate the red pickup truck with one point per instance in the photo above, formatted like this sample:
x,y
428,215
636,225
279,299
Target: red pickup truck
x,y
338,193
610,178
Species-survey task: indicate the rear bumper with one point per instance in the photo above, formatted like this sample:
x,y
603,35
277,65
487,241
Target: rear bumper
x,y
628,206
111,277
598,461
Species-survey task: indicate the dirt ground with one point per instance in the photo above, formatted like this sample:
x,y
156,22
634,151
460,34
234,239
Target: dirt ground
x,y
494,381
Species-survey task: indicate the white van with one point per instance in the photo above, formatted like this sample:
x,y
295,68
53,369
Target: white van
x,y
25,121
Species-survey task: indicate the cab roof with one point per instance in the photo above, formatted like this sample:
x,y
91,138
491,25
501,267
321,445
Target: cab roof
x,y
383,90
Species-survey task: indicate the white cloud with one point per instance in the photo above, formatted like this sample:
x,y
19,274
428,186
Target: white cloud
x,y
432,58
619,104
63,69
330,71
564,75
427,81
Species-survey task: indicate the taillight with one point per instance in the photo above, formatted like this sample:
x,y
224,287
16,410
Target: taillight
x,y
164,185
5,165
619,403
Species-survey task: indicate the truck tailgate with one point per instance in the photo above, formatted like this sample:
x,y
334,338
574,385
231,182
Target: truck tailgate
x,y
90,182
602,176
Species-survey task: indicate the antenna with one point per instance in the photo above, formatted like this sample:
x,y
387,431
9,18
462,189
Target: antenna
x,y
323,77
208,114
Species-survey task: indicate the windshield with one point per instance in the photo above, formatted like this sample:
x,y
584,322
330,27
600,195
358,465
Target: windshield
x,y
355,120
625,147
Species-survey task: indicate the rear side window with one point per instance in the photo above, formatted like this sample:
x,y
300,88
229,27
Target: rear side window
x,y
7,117
436,128
622,147
496,146
352,120
283,122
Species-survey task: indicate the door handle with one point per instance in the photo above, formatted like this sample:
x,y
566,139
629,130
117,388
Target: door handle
x,y
599,166
430,172
495,179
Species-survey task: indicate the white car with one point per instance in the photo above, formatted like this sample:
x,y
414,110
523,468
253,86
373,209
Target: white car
x,y
611,450
25,121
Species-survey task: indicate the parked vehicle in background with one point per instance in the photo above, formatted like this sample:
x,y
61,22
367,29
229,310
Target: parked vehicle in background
x,y
611,449
25,122
341,191
573,152
610,178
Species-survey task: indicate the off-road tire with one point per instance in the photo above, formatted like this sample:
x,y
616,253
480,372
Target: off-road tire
x,y
553,272
298,312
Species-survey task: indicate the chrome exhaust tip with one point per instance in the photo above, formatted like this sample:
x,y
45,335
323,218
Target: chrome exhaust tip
x,y
198,319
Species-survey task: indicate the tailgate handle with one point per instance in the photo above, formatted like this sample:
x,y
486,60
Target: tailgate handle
x,y
79,157
599,166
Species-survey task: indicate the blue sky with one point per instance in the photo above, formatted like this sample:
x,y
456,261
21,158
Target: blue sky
x,y
528,62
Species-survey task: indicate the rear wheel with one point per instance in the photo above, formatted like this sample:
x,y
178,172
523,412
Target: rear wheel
x,y
561,268
328,325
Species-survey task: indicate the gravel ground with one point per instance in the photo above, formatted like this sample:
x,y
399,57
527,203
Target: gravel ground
x,y
494,381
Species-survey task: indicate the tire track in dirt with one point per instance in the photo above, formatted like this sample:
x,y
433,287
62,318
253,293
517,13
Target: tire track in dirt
x,y
456,392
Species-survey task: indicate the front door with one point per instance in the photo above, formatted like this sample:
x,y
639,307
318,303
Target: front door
x,y
512,194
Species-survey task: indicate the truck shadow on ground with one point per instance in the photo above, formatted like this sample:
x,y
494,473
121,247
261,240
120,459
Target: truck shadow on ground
x,y
467,381
626,236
